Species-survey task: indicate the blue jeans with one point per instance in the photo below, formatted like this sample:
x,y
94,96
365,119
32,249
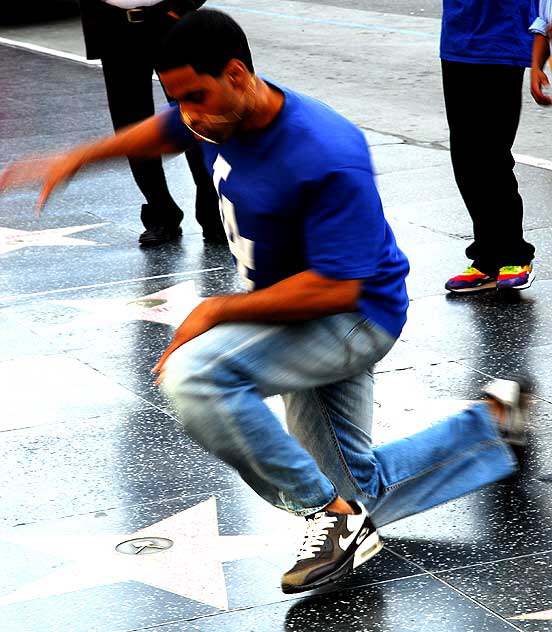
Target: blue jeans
x,y
323,368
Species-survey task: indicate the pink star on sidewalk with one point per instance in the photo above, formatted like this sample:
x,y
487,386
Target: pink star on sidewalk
x,y
169,306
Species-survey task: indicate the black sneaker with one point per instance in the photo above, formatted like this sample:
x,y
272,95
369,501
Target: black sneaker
x,y
512,394
334,545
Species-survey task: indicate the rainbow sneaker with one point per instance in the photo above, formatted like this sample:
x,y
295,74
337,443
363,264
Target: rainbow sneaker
x,y
471,280
515,277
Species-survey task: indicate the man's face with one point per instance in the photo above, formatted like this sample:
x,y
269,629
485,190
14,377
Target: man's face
x,y
212,107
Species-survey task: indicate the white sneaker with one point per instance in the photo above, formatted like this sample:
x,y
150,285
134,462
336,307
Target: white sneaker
x,y
512,394
334,545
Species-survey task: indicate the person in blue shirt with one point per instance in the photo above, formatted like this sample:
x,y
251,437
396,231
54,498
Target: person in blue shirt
x,y
485,47
326,301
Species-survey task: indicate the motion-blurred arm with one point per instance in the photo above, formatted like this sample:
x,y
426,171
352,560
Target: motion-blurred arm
x,y
146,139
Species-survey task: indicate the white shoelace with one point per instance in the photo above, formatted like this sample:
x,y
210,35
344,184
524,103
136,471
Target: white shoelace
x,y
317,532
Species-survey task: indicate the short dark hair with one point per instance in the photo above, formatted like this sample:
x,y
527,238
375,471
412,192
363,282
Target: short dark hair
x,y
206,40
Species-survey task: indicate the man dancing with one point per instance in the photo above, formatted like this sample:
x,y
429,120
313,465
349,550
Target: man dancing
x,y
327,300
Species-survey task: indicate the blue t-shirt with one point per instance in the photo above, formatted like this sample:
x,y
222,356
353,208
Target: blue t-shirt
x,y
300,195
488,31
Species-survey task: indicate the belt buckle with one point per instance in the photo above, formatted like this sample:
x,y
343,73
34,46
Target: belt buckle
x,y
138,12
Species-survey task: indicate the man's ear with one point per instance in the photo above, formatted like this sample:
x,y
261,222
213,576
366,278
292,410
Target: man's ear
x,y
237,73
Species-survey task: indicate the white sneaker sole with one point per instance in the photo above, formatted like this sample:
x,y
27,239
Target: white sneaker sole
x,y
370,547
526,285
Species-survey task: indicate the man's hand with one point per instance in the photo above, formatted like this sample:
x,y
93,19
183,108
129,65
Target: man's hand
x,y
202,318
50,170
538,81
143,140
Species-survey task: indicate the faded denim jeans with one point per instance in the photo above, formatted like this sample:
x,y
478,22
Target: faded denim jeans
x,y
323,368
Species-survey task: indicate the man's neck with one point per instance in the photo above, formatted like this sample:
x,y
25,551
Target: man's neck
x,y
266,107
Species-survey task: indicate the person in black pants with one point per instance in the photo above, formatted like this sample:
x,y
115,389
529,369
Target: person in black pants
x,y
485,48
127,41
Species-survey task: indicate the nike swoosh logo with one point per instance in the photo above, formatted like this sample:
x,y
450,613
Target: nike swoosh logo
x,y
344,543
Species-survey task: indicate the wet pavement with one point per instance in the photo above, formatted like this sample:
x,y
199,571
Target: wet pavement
x,y
92,457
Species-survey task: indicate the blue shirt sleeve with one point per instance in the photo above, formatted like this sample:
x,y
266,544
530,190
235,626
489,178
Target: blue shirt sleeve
x,y
345,228
175,131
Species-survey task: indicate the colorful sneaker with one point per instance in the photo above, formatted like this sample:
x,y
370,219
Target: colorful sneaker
x,y
471,280
515,277
334,545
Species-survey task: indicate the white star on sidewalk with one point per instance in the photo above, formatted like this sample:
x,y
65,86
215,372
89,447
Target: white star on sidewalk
x,y
544,615
192,567
12,239
169,306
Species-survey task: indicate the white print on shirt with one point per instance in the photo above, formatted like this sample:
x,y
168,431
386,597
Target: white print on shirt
x,y
241,247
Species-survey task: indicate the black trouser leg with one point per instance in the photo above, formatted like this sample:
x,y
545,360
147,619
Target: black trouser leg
x,y
128,80
482,132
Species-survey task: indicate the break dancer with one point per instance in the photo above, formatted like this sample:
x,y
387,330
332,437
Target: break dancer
x,y
327,300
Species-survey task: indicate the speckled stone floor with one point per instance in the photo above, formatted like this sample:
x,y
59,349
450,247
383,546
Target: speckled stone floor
x,y
91,456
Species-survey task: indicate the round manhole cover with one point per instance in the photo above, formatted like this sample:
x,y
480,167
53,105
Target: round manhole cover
x,y
144,546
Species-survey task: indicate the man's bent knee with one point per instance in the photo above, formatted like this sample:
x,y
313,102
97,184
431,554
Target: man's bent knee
x,y
196,386
194,379
185,378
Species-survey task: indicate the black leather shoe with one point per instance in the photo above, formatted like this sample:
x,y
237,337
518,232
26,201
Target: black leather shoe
x,y
159,235
214,236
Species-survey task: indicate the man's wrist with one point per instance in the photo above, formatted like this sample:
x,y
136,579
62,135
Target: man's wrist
x,y
216,308
79,157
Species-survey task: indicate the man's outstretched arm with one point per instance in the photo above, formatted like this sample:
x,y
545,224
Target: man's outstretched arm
x,y
146,139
